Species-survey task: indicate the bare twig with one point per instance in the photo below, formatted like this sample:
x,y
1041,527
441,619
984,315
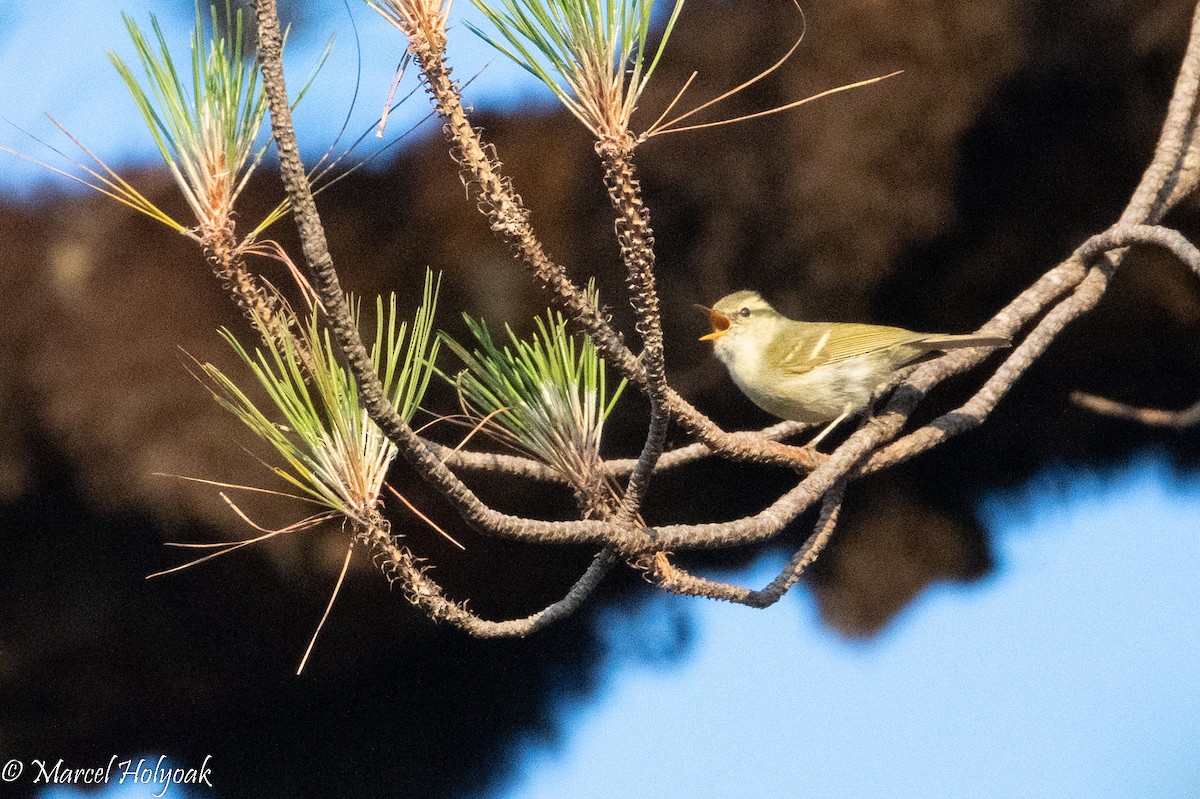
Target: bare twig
x,y
1153,417
679,581
1086,293
519,466
399,564
1167,180
1174,175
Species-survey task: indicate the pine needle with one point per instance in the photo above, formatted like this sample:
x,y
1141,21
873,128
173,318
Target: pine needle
x,y
328,607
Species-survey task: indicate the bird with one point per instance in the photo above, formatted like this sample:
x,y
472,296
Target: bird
x,y
816,372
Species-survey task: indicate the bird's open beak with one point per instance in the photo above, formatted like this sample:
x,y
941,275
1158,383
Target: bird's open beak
x,y
720,323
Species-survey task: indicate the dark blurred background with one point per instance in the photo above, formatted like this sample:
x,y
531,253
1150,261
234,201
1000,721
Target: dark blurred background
x,y
1018,128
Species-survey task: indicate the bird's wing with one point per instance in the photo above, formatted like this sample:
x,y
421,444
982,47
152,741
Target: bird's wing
x,y
844,341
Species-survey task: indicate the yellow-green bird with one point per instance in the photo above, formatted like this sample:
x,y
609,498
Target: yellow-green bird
x,y
817,372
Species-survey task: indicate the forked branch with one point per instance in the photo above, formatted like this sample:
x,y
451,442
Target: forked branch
x,y
679,581
341,324
1042,311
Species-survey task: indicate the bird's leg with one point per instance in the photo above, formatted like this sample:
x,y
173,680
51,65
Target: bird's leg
x,y
829,429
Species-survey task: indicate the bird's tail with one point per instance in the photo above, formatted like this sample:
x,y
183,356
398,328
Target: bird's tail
x,y
944,342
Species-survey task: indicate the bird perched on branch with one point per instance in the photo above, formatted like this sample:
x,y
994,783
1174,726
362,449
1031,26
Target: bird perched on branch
x,y
816,372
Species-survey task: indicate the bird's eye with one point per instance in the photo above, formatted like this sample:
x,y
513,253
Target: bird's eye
x,y
744,313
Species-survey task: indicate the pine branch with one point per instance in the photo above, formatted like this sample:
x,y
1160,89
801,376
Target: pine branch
x,y
636,239
679,581
325,282
399,564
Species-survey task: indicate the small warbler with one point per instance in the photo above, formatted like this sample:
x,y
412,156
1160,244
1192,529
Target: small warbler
x,y
816,372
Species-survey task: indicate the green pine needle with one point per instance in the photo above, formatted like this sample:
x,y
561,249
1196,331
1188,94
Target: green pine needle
x,y
205,127
546,396
592,54
333,454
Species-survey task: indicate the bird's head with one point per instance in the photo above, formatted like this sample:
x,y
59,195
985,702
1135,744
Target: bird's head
x,y
739,314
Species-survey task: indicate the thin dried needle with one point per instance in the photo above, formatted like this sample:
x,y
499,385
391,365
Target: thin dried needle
x,y
198,561
336,588
239,487
232,546
778,109
304,523
655,129
678,97
424,518
272,249
312,522
401,68
479,426
456,418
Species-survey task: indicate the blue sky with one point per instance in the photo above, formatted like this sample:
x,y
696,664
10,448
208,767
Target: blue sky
x,y
58,50
1073,671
